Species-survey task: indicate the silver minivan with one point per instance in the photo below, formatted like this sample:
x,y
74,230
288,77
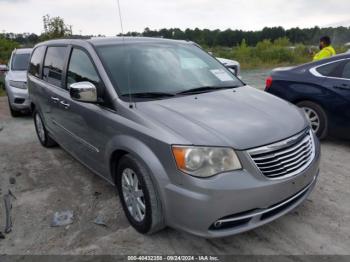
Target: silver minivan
x,y
186,143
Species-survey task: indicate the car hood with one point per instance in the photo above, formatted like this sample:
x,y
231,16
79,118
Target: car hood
x,y
242,118
17,76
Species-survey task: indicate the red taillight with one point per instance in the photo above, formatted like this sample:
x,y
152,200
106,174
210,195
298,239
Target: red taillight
x,y
268,82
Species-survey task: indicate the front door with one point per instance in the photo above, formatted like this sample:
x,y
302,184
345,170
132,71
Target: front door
x,y
80,123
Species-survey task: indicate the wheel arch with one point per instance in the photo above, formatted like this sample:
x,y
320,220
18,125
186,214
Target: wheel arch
x,y
310,99
114,160
125,144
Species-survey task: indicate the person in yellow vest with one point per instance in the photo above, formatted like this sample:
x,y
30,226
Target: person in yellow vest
x,y
326,50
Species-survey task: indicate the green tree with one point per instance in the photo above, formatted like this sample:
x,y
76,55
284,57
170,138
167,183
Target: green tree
x,y
6,47
55,27
282,41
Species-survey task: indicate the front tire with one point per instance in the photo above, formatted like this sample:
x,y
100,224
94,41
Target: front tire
x,y
41,131
138,196
317,118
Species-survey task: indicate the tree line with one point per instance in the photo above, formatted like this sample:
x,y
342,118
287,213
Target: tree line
x,y
229,37
55,27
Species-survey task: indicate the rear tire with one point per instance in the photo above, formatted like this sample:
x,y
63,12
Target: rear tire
x,y
317,118
138,196
41,131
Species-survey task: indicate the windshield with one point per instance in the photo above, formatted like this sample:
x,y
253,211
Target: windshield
x,y
20,62
163,68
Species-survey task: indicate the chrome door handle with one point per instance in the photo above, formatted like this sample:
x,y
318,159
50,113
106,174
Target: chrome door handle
x,y
65,105
55,99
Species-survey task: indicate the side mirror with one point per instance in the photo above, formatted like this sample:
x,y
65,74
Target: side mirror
x,y
83,92
232,70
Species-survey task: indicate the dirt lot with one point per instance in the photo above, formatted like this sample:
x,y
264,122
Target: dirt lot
x,y
49,180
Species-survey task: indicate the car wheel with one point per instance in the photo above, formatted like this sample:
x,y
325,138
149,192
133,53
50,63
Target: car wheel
x,y
13,112
41,131
138,196
316,116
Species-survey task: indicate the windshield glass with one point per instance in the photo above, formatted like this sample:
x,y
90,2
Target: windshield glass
x,y
20,62
163,67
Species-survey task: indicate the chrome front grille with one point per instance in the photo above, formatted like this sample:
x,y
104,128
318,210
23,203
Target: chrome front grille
x,y
285,158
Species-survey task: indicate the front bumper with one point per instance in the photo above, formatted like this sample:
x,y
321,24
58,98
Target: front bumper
x,y
19,98
232,203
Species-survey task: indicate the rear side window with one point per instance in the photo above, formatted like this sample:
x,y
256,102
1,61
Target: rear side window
x,y
340,69
331,70
53,65
35,61
81,69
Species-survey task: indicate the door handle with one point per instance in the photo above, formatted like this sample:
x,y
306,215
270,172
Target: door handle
x,y
65,105
55,99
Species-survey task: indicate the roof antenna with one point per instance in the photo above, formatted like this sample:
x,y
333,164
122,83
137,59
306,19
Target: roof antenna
x,y
124,45
120,19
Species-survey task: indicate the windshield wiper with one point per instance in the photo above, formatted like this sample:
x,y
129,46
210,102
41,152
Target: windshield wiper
x,y
204,89
149,95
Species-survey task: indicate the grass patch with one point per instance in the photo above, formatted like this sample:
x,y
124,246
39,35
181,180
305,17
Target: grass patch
x,y
268,54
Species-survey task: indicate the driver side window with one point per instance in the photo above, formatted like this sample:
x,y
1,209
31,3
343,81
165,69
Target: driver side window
x,y
81,69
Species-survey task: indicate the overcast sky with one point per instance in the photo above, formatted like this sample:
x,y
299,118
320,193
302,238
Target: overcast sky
x,y
101,16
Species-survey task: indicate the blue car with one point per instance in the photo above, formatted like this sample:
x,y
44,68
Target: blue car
x,y
321,89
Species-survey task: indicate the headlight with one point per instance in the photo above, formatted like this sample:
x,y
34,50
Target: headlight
x,y
205,161
18,84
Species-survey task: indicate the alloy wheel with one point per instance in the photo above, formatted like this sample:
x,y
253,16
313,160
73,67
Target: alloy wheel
x,y
313,118
133,195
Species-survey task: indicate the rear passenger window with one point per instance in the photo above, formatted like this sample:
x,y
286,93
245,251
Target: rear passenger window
x,y
53,65
35,61
81,69
331,70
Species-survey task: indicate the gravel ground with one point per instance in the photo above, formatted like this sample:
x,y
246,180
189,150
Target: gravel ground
x,y
255,77
49,180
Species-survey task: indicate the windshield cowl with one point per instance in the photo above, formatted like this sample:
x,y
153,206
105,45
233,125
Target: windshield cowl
x,y
204,89
161,95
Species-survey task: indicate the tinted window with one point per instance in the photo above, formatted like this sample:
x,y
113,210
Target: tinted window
x,y
81,69
332,70
346,70
37,56
53,65
20,62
